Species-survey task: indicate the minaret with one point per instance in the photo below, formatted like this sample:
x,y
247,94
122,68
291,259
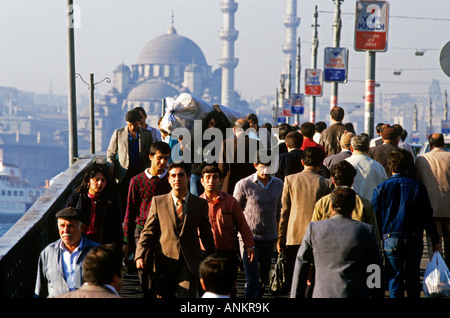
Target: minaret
x,y
291,22
228,62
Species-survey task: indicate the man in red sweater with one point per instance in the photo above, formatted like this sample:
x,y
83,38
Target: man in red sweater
x,y
143,187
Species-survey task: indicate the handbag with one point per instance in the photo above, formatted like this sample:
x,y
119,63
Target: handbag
x,y
277,277
436,279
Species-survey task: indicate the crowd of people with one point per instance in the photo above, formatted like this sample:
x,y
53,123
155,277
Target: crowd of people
x,y
337,204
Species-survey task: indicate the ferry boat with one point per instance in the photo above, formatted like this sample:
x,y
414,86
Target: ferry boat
x,y
16,196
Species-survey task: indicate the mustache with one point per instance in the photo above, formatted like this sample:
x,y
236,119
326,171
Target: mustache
x,y
66,235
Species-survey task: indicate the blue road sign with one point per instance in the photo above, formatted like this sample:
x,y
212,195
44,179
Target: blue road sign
x,y
335,64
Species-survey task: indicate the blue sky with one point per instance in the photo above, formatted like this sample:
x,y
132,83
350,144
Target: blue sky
x,y
34,41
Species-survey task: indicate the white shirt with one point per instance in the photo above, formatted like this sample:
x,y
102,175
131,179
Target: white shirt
x,y
256,180
149,175
369,174
212,295
69,263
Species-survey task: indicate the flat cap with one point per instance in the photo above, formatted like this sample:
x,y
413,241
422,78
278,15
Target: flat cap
x,y
346,137
69,214
390,132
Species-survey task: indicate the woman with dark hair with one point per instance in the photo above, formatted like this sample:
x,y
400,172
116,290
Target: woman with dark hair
x,y
98,202
213,119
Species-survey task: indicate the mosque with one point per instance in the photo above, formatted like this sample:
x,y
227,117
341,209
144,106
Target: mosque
x,y
167,66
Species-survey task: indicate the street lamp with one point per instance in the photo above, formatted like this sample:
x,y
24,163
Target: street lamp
x,y
91,87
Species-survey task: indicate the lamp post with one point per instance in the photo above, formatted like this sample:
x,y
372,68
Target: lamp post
x,y
73,142
91,87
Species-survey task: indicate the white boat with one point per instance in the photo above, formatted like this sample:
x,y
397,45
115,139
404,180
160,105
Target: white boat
x,y
16,197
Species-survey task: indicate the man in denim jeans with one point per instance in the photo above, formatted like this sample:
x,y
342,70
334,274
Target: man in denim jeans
x,y
403,212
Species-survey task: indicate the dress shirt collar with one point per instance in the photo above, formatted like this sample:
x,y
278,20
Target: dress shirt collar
x,y
256,180
149,175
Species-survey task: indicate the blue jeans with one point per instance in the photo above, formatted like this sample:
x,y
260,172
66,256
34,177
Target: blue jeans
x,y
196,187
257,272
403,254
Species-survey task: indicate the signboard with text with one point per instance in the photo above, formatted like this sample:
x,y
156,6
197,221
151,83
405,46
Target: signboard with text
x,y
313,82
297,104
335,64
371,26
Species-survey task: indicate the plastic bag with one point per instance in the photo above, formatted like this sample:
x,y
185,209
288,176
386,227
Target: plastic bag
x,y
181,112
436,279
277,277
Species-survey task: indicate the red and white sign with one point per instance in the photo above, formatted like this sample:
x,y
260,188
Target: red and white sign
x,y
313,82
287,108
371,25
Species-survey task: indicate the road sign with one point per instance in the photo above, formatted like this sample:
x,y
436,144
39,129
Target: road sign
x,y
313,82
415,137
445,127
335,64
371,26
297,104
287,108
444,59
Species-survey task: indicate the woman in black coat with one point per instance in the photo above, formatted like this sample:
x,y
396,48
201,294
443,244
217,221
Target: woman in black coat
x,y
96,198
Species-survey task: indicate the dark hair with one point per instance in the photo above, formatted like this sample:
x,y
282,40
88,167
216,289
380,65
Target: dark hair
x,y
337,113
220,118
141,109
294,139
219,273
379,127
283,130
400,161
212,169
101,263
350,127
90,173
133,116
320,126
343,173
308,129
436,140
252,117
183,165
343,200
313,156
160,146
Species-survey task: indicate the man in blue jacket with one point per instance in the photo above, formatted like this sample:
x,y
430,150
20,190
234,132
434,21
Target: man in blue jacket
x,y
403,211
60,263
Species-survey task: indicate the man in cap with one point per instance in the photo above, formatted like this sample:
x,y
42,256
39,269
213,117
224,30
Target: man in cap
x,y
60,263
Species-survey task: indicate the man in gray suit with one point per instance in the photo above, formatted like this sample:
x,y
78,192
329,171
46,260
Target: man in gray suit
x,y
344,253
128,153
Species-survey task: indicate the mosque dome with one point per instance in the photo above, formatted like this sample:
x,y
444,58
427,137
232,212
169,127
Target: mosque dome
x,y
151,90
171,48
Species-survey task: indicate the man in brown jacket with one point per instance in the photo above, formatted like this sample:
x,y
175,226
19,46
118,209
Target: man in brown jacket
x,y
174,225
331,136
301,191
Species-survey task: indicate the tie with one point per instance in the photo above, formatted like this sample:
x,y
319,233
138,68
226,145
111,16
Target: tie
x,y
180,210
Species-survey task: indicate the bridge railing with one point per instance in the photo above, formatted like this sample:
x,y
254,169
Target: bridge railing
x,y
21,245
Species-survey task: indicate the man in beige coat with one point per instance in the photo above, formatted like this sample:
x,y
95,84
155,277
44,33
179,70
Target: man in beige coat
x,y
301,191
128,153
174,225
433,169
